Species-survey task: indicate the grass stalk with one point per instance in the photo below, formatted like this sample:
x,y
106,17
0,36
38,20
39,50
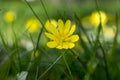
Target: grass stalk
x,y
115,42
39,35
70,73
16,46
52,65
80,61
105,61
91,62
45,10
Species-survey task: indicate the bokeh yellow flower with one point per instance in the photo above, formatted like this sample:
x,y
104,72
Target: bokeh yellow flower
x,y
9,16
95,18
33,25
35,54
109,32
61,36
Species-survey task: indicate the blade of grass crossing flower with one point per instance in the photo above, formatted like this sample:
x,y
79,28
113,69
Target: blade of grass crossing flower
x,y
83,43
90,67
82,28
38,40
31,60
92,57
42,23
39,36
33,12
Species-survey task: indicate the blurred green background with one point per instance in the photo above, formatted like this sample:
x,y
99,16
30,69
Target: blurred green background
x,y
19,41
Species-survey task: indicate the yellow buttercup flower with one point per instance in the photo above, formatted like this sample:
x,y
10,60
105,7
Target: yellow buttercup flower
x,y
9,16
33,25
61,36
95,18
53,22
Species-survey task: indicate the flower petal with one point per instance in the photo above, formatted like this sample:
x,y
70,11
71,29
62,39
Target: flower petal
x,y
52,44
67,27
51,28
60,26
47,24
65,45
54,22
59,47
72,30
72,38
71,45
50,36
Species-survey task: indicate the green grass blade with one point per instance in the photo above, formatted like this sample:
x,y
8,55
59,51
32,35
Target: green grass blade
x,y
90,67
70,73
51,65
115,42
105,61
45,10
3,41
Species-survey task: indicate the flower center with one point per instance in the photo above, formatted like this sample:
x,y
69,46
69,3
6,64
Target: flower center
x,y
61,39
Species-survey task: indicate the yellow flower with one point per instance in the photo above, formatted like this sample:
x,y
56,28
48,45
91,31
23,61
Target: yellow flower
x,y
9,16
109,32
53,22
33,25
61,36
95,18
35,54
